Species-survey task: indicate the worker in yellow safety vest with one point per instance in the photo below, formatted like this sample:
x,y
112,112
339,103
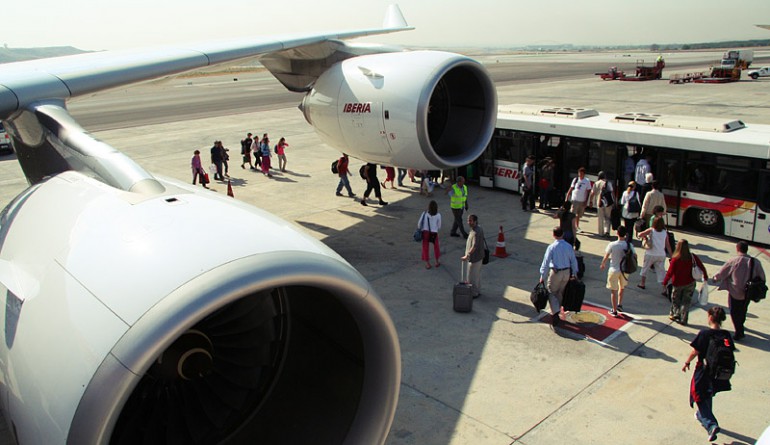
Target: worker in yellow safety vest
x,y
458,201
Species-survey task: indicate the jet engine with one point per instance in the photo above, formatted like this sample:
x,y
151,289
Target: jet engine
x,y
421,109
152,319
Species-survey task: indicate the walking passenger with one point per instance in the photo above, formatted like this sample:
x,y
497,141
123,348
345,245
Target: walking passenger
x,y
578,194
343,171
559,266
655,255
616,279
680,275
704,386
474,254
733,276
528,185
280,151
631,207
604,194
372,184
430,224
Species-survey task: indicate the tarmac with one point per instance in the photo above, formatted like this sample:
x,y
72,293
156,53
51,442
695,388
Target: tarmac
x,y
498,375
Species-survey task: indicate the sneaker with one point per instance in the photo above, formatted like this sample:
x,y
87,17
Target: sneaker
x,y
363,203
351,195
713,433
612,313
338,194
383,203
620,308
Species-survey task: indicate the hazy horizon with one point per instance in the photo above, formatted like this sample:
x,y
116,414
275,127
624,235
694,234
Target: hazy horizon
x,y
91,25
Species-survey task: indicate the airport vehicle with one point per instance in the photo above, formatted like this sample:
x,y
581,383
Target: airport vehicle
x,y
612,73
119,328
762,72
714,172
737,58
646,72
5,141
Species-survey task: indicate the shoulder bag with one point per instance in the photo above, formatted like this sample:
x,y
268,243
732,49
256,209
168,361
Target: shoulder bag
x,y
756,289
697,272
418,233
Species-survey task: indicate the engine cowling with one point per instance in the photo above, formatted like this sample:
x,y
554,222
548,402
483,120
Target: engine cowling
x,y
127,322
421,109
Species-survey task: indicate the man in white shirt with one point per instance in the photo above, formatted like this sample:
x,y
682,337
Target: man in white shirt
x,y
578,194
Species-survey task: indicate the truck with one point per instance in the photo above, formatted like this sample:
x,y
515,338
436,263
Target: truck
x,y
737,58
762,72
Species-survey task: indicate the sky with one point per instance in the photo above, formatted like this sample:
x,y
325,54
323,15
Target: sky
x,y
100,24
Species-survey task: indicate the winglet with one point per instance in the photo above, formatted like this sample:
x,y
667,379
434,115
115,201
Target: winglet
x,y
394,18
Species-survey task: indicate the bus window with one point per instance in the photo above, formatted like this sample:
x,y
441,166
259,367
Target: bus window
x,y
602,156
575,154
763,200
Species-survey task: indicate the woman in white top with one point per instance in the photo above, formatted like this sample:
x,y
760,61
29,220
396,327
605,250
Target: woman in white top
x,y
631,207
430,223
655,256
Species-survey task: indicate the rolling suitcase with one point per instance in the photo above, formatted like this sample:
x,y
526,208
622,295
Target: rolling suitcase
x,y
462,296
573,295
615,214
581,265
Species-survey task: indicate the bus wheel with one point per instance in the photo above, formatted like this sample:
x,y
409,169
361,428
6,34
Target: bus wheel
x,y
706,220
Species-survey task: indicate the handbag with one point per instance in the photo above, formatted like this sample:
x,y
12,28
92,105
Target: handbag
x,y
539,297
703,294
647,242
418,233
485,260
756,289
697,272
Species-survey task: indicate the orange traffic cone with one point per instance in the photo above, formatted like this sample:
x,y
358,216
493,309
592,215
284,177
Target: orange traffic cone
x,y
500,246
230,189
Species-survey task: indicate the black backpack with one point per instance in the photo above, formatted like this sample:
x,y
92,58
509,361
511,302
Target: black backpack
x,y
362,172
334,166
606,197
720,359
628,264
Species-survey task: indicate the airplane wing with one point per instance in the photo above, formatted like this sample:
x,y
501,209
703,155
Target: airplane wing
x,y
118,329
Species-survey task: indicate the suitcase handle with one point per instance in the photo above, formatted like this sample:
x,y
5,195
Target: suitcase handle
x,y
464,271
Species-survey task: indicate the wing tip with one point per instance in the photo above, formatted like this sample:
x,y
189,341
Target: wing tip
x,y
394,18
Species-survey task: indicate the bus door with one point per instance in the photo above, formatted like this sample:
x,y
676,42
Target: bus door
x,y
668,173
762,223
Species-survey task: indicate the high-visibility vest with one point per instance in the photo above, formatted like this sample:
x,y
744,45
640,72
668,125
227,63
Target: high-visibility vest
x,y
458,197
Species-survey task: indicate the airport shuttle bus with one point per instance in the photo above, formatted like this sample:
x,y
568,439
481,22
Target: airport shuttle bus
x,y
713,171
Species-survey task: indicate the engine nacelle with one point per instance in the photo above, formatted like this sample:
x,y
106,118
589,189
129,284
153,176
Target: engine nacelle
x,y
421,109
133,319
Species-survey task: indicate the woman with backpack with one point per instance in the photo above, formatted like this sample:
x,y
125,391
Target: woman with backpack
x,y
430,223
631,207
714,348
680,274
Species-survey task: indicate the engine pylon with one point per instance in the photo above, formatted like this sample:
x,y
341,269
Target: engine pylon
x,y
230,189
500,246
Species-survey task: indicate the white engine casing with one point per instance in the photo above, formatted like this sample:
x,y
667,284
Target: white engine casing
x,y
117,277
421,109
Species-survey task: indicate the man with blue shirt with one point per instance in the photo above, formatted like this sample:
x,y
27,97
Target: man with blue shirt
x,y
558,267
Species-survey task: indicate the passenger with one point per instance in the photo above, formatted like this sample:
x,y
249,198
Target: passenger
x,y
401,176
616,279
246,151
640,174
280,151
257,152
217,157
430,224
652,199
390,176
559,266
604,194
474,254
264,150
655,255
631,207
568,224
703,387
733,277
680,275
197,169
343,171
578,194
372,183
528,185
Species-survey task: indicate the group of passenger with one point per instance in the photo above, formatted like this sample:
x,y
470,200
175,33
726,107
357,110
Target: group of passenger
x,y
258,149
